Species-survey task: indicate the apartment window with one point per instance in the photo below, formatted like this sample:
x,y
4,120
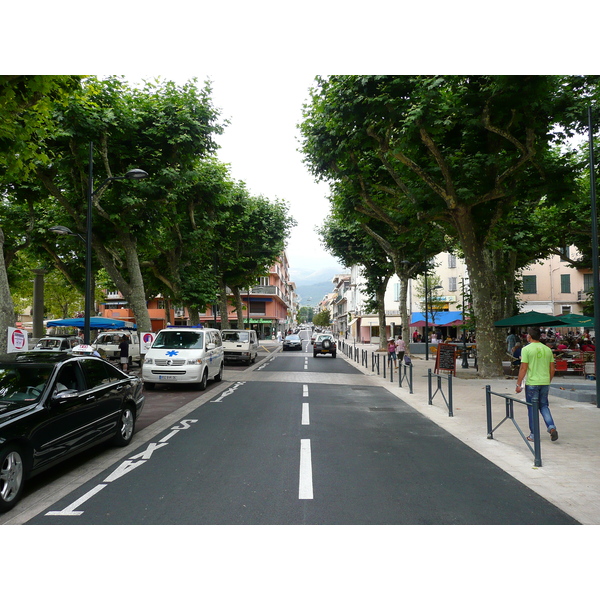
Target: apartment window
x,y
452,284
258,308
565,252
529,284
397,292
565,310
565,284
451,261
263,281
588,281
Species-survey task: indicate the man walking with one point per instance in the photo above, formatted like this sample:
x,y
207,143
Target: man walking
x,y
124,353
537,366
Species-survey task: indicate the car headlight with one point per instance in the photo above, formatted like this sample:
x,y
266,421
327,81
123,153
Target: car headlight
x,y
148,361
195,361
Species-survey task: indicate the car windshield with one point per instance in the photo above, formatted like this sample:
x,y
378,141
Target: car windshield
x,y
108,338
23,383
293,337
324,337
48,344
179,339
235,336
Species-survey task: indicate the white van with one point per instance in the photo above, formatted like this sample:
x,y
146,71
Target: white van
x,y
107,343
184,355
240,345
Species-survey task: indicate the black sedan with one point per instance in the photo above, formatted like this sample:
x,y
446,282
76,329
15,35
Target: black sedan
x,y
292,342
54,405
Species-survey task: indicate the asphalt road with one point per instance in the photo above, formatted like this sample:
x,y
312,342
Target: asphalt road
x,y
272,450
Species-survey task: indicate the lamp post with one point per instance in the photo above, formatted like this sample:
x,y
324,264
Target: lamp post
x,y
595,260
132,174
437,287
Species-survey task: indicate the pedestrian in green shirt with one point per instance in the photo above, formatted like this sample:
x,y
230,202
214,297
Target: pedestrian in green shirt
x,y
537,368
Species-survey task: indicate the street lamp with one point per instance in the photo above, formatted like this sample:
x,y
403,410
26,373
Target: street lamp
x,y
437,287
132,174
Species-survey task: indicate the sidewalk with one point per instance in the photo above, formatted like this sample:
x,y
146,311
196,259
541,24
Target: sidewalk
x,y
570,473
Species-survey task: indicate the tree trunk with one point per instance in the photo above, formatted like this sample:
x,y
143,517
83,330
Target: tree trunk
x,y
380,297
132,290
7,308
404,311
223,306
487,291
239,307
194,315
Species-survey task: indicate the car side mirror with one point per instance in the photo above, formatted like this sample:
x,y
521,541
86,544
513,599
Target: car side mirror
x,y
211,346
62,396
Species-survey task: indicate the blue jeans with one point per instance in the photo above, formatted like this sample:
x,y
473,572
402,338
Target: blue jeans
x,y
541,393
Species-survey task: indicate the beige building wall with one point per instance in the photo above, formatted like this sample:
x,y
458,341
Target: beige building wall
x,y
559,288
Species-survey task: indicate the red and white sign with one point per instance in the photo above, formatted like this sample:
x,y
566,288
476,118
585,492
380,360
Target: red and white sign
x,y
146,340
17,340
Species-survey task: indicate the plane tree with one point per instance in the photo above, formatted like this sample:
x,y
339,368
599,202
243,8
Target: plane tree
x,y
471,154
160,127
25,110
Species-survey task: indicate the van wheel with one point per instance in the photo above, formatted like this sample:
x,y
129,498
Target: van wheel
x,y
202,384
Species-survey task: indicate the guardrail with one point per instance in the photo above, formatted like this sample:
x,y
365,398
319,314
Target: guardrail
x,y
447,399
510,416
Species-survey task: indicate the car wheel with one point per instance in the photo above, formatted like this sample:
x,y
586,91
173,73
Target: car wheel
x,y
202,384
314,355
12,477
333,354
125,427
219,375
148,385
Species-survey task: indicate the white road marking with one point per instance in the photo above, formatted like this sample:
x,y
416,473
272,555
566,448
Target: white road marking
x,y
305,414
305,488
306,363
70,510
305,390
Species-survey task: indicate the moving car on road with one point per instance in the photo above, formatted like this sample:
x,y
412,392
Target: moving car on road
x,y
240,345
324,344
54,405
292,342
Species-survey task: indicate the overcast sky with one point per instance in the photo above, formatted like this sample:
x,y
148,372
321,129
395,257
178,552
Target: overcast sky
x,y
261,144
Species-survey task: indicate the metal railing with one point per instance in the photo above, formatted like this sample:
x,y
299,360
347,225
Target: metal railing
x,y
405,373
510,416
448,398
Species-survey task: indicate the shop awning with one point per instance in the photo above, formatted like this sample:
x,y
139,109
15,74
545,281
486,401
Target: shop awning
x,y
449,318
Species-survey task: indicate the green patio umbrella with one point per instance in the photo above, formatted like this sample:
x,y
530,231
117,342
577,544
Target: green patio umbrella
x,y
531,318
576,320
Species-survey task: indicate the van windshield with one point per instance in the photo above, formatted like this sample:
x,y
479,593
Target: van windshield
x,y
179,339
236,336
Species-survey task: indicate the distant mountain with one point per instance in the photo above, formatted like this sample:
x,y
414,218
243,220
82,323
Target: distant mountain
x,y
311,294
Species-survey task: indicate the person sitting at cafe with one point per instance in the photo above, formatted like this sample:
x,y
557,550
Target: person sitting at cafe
x,y
561,345
587,346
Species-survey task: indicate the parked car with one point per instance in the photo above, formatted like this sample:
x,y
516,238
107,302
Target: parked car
x,y
54,405
107,343
56,343
324,344
292,342
240,345
184,355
